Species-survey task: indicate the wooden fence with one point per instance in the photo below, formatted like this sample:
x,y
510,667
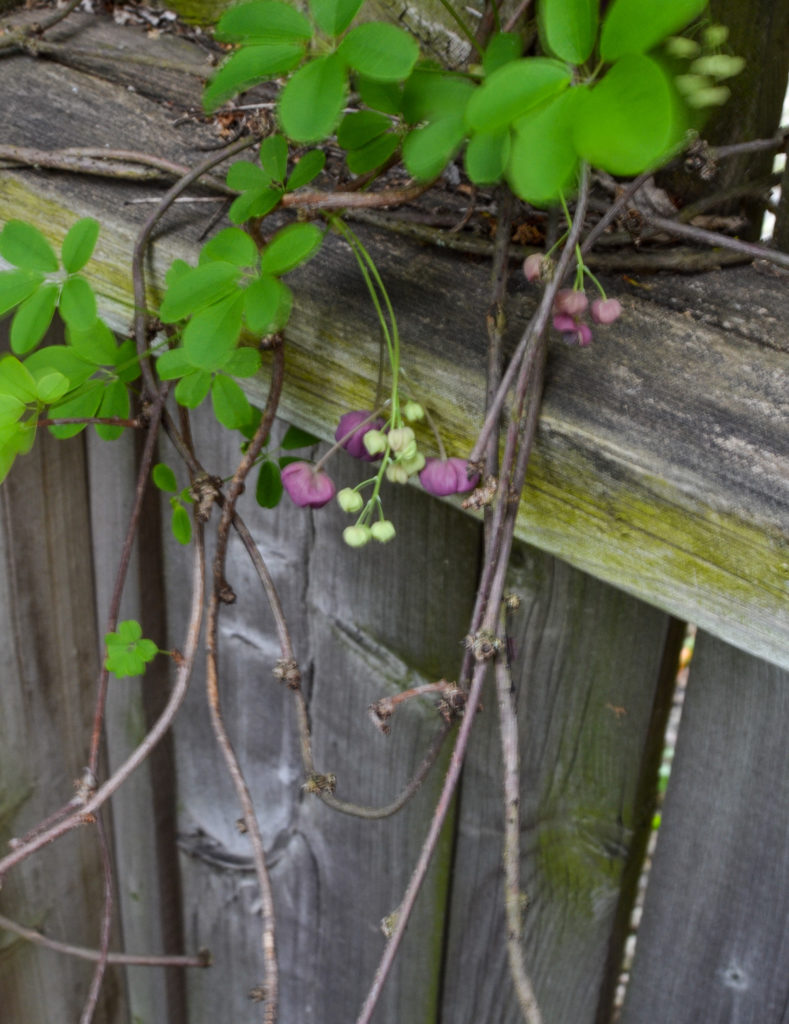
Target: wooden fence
x,y
659,493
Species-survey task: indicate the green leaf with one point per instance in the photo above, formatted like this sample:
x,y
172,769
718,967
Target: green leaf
x,y
248,67
25,436
32,319
82,405
172,364
543,160
230,403
10,409
312,101
630,119
261,302
290,247
568,28
274,157
334,16
77,303
269,486
16,286
244,362
24,246
94,344
63,359
486,156
427,151
114,402
127,651
513,90
360,127
231,245
126,363
243,175
250,428
192,389
295,437
283,309
373,155
164,478
201,287
212,334
79,243
380,51
632,26
181,524
52,387
16,380
309,167
502,48
254,204
431,94
263,21
384,96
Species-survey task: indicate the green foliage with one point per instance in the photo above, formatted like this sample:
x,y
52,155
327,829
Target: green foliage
x,y
311,103
631,26
568,28
381,52
127,651
79,243
180,523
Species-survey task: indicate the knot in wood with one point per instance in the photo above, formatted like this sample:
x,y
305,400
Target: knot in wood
x,y
483,495
484,645
205,490
452,704
380,713
318,783
287,670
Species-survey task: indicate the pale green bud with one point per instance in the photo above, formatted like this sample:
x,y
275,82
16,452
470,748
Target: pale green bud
x,y
374,441
413,465
682,47
715,35
719,65
715,96
383,530
413,411
356,536
409,452
690,84
396,474
350,500
400,438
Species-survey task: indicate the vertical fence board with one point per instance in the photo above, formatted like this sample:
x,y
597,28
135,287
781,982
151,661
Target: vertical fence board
x,y
712,943
366,624
592,692
48,657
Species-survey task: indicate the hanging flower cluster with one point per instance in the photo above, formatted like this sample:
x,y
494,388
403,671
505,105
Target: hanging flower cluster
x,y
571,304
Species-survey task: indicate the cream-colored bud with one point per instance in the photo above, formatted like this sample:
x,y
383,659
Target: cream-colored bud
x,y
396,474
374,441
413,411
349,500
400,438
382,531
356,536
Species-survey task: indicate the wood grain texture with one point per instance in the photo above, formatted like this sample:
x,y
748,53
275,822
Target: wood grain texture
x,y
591,699
712,943
365,624
661,459
48,653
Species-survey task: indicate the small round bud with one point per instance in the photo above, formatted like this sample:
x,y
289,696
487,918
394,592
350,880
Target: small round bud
x,y
714,96
375,442
570,301
413,411
396,474
688,85
532,267
400,438
409,452
305,486
350,500
682,47
605,311
412,465
715,35
382,531
719,65
356,536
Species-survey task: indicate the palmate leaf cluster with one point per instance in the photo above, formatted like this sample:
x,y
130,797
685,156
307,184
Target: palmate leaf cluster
x,y
605,91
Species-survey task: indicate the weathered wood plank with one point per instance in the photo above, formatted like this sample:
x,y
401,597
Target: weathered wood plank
x,y
712,943
661,462
48,654
366,624
592,686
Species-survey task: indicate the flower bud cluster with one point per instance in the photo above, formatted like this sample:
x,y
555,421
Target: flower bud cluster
x,y
700,85
569,308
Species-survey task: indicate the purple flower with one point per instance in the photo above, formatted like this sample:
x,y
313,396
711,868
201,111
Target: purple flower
x,y
573,332
605,311
446,476
352,427
306,486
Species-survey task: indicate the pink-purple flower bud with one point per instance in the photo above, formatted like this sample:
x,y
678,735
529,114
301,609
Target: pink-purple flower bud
x,y
605,311
353,426
532,267
306,486
446,476
570,301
